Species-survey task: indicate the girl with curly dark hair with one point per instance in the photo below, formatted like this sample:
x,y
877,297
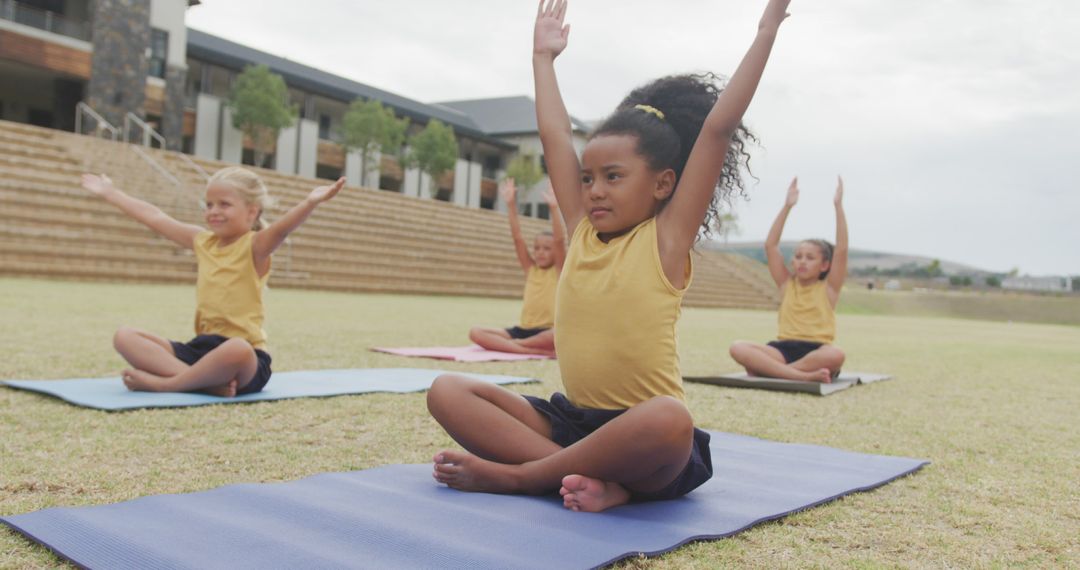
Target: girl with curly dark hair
x,y
646,184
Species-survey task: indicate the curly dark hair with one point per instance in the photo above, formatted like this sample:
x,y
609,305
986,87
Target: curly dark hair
x,y
685,101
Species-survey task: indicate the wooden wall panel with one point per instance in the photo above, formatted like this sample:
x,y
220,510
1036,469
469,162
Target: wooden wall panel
x,y
43,54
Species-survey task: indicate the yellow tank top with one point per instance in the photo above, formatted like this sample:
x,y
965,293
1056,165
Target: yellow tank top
x,y
228,293
538,308
806,314
616,315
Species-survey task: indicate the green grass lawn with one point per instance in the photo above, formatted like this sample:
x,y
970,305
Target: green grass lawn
x,y
992,405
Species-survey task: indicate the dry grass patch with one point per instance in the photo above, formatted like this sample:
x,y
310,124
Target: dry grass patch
x,y
993,405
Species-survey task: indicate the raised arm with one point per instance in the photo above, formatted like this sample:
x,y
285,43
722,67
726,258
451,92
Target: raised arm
x,y
508,192
556,134
838,268
678,223
269,239
777,268
558,230
145,213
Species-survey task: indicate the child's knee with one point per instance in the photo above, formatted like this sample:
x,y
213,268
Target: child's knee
x,y
476,334
670,417
237,350
738,350
123,336
442,389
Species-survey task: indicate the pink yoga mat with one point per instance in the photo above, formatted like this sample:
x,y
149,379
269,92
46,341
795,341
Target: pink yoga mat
x,y
460,353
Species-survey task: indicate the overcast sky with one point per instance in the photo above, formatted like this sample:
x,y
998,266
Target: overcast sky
x,y
956,123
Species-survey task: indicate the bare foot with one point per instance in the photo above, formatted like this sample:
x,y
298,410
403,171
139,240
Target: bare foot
x,y
823,375
224,391
466,472
581,493
141,381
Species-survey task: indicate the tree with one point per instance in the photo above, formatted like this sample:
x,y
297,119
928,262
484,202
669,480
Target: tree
x,y
934,269
369,127
729,224
260,108
434,151
993,281
525,171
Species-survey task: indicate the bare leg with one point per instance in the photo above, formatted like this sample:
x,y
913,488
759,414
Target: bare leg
x,y
147,352
489,420
544,341
827,356
644,449
499,339
222,371
763,360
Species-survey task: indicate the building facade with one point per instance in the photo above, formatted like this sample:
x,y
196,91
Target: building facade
x,y
134,65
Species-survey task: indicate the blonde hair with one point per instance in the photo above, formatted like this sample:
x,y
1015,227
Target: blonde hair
x,y
250,187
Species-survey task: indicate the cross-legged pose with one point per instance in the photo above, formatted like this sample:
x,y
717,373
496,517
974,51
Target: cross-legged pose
x,y
534,335
647,182
809,291
228,355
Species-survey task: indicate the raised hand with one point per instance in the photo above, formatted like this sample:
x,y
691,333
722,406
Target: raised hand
x,y
549,197
775,13
321,194
507,190
792,193
99,185
549,35
839,199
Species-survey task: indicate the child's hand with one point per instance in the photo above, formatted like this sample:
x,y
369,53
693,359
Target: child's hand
x,y
839,199
507,191
549,35
99,185
549,197
774,14
792,193
323,193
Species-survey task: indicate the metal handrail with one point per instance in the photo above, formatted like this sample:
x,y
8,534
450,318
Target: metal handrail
x,y
101,124
147,131
194,165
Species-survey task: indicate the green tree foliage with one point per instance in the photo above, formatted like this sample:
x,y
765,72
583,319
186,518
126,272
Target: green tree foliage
x,y
434,151
369,127
525,171
993,281
260,107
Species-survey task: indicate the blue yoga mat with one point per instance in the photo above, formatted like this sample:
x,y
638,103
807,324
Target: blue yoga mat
x,y
398,517
110,393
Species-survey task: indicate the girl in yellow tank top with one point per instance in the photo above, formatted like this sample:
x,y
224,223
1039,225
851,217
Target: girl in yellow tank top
x,y
228,354
804,348
534,333
645,186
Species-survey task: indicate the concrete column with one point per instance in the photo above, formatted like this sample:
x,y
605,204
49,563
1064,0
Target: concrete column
x,y
285,156
207,126
373,172
307,155
476,175
232,140
461,182
352,169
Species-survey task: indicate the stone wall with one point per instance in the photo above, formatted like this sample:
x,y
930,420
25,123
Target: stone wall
x,y
172,119
120,33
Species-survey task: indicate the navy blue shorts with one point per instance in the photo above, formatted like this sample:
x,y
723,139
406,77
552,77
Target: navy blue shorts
x,y
518,333
570,424
794,349
192,351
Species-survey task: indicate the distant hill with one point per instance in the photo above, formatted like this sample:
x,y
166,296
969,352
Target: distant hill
x,y
859,260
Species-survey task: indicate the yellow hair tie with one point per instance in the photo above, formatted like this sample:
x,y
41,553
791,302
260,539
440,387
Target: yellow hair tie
x,y
651,109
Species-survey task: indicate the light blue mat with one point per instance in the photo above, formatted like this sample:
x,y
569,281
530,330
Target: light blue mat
x,y
110,393
398,517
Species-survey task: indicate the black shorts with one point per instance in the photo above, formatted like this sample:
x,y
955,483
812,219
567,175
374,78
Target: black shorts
x,y
518,333
794,349
570,424
191,352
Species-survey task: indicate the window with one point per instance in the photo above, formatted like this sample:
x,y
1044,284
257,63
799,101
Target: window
x,y
543,211
492,164
159,52
543,165
324,127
